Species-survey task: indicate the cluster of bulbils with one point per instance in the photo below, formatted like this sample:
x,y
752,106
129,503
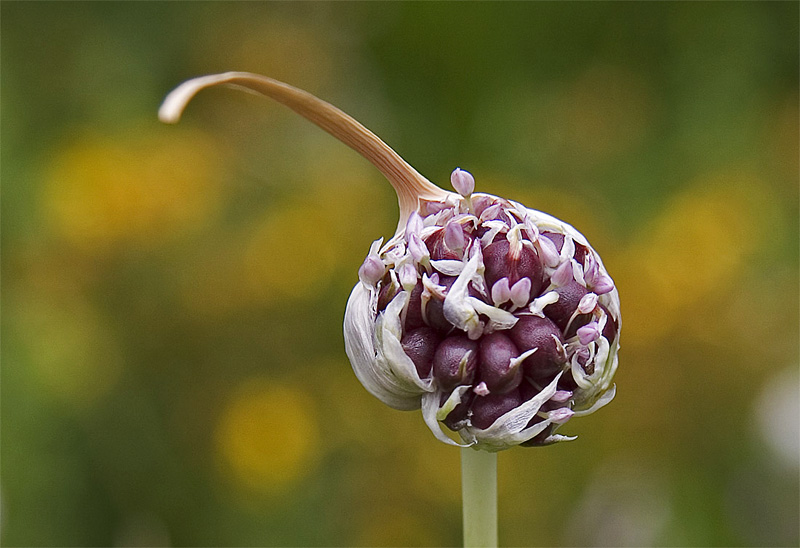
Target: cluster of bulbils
x,y
498,320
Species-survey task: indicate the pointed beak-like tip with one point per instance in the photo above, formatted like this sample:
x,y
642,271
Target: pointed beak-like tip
x,y
167,116
176,100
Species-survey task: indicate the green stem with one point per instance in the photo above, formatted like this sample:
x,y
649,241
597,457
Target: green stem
x,y
479,498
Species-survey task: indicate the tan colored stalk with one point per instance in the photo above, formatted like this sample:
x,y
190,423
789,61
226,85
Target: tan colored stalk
x,y
409,185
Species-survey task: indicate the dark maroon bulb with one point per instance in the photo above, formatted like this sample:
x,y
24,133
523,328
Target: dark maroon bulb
x,y
500,263
567,381
496,351
386,292
580,252
579,321
556,238
437,249
541,333
414,310
528,390
568,298
434,308
455,361
611,328
420,345
487,409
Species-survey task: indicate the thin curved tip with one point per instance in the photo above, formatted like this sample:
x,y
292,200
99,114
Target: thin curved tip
x,y
172,107
175,102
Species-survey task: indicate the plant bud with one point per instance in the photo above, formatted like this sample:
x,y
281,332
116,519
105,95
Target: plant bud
x,y
420,345
499,321
455,361
542,334
500,371
463,182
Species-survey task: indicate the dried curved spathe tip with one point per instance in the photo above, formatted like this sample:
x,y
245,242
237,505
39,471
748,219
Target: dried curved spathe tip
x,y
499,321
409,185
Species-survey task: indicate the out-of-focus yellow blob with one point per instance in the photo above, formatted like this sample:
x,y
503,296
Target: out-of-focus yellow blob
x,y
267,435
296,248
695,248
289,254
74,357
140,189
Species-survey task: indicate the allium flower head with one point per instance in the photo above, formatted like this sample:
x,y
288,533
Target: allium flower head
x,y
499,321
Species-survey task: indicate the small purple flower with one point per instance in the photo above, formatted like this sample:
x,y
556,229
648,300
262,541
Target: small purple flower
x,y
463,182
501,292
563,275
587,303
419,252
588,333
408,276
560,415
603,285
521,292
371,270
414,224
454,237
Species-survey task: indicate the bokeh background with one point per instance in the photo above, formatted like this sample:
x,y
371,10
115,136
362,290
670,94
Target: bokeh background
x,y
173,371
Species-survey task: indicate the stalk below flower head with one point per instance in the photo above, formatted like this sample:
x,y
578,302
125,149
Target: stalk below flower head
x,y
500,322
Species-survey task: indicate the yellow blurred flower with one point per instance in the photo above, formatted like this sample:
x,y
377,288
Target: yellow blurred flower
x,y
295,248
267,436
139,189
288,255
696,247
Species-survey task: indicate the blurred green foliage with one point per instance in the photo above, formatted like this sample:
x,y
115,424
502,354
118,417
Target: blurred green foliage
x,y
173,370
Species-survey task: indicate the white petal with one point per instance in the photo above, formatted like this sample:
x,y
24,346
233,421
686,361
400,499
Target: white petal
x,y
548,251
555,438
391,331
568,249
430,406
448,267
457,307
359,326
509,429
603,400
375,248
538,304
498,318
452,401
495,227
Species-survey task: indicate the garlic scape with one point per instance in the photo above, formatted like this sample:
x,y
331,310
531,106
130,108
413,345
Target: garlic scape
x,y
500,322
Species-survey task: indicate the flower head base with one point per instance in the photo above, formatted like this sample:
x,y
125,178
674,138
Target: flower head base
x,y
499,321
